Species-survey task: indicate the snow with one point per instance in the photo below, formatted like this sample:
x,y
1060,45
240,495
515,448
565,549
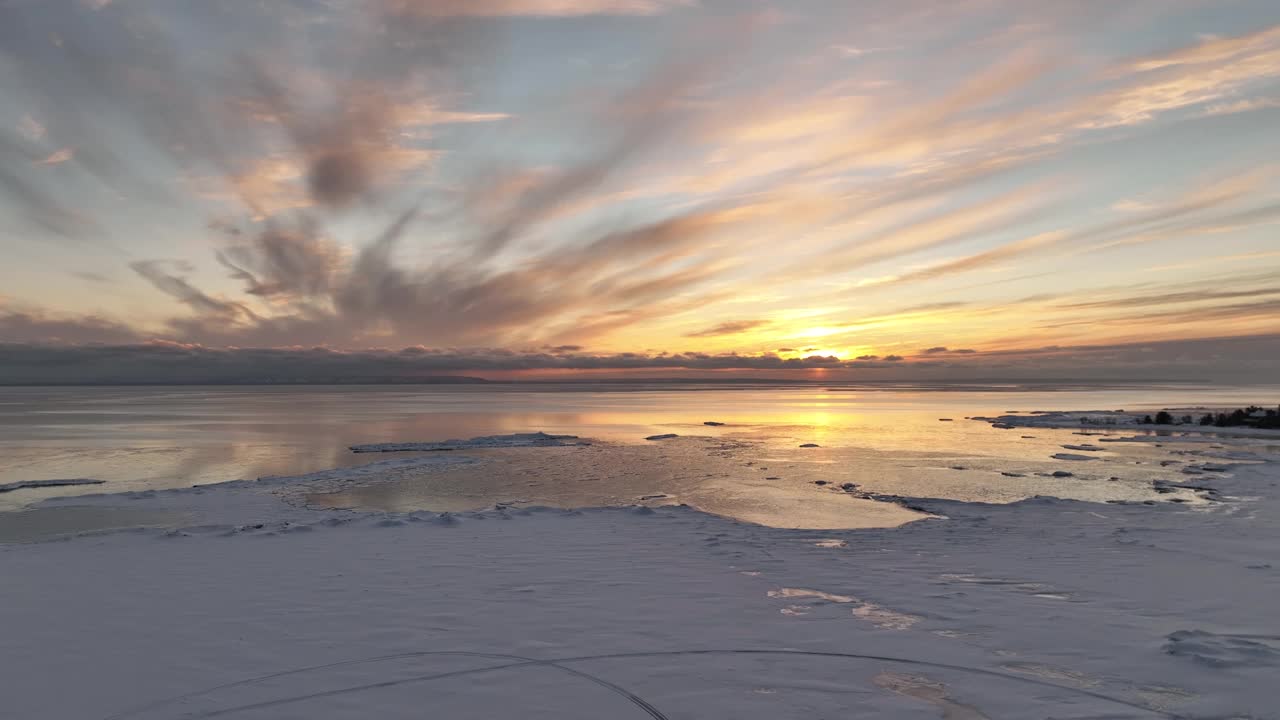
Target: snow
x,y
1119,419
257,606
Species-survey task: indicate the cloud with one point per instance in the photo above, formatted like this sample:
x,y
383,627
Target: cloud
x,y
639,117
295,261
942,350
57,157
1131,206
1243,359
853,51
171,362
1212,71
729,328
1201,262
30,129
163,275
917,234
1242,106
982,259
292,147
1212,51
42,207
349,148
316,293
375,179
35,327
1174,298
1261,314
337,129
543,8
1205,207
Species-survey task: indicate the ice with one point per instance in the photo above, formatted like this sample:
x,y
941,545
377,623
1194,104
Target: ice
x,y
24,484
930,691
255,605
534,439
1219,651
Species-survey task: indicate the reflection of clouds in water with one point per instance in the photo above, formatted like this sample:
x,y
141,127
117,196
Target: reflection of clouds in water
x,y
705,473
885,442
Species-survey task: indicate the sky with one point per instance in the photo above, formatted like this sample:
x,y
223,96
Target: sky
x,y
806,189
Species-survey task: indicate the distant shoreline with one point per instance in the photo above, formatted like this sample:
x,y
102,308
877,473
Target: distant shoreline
x,y
471,380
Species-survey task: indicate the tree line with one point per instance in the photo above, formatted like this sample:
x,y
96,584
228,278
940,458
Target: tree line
x,y
1252,416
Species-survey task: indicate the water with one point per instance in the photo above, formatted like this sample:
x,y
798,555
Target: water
x,y
888,438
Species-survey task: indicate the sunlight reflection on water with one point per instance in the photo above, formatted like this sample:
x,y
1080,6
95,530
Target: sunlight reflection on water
x,y
884,440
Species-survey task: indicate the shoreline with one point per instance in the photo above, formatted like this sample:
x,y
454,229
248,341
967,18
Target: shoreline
x,y
1125,421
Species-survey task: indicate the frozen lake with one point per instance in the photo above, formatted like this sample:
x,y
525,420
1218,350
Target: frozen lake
x,y
887,438
906,567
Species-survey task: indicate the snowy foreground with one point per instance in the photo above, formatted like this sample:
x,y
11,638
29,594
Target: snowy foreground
x,y
257,607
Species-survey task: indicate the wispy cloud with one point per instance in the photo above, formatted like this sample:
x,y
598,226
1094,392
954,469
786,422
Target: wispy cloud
x,y
1176,298
57,157
30,129
1203,261
1242,106
544,8
733,327
624,174
1211,71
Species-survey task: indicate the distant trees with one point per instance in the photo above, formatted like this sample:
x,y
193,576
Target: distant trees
x,y
1252,416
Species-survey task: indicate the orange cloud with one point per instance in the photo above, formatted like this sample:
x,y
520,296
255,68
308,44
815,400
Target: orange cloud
x,y
57,157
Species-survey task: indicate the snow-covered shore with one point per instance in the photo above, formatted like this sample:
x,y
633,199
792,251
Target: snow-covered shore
x,y
261,607
1122,420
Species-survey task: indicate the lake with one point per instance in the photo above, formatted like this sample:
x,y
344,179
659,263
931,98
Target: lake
x,y
138,438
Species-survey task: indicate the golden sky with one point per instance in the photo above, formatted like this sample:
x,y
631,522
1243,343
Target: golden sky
x,y
803,186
